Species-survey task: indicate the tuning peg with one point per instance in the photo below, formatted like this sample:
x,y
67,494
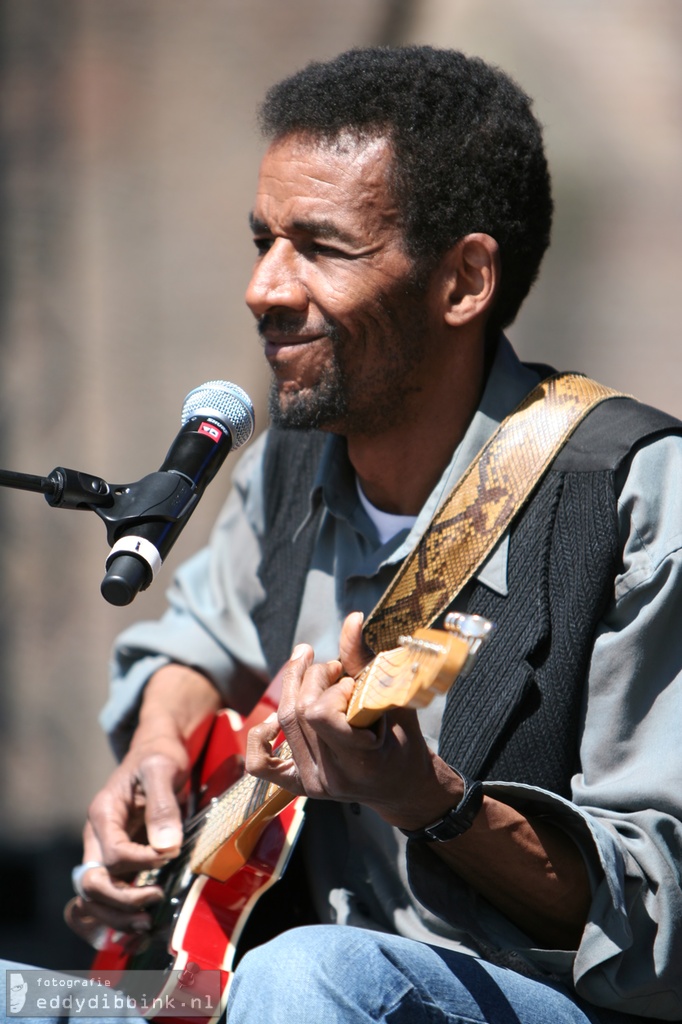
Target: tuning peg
x,y
416,644
473,629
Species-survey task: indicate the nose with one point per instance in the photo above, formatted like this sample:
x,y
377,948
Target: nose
x,y
275,281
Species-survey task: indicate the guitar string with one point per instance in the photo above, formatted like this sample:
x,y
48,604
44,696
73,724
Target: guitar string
x,y
194,824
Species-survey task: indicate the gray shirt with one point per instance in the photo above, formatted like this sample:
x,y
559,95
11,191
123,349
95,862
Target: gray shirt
x,y
625,805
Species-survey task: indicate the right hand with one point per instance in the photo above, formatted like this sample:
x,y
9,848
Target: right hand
x,y
134,822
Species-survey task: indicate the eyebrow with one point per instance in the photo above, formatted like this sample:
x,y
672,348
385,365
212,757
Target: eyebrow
x,y
324,229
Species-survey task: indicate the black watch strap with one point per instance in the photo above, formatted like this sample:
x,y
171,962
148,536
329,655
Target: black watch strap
x,y
457,820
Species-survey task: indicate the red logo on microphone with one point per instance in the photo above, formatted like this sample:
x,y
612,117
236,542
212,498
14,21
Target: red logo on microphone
x,y
210,431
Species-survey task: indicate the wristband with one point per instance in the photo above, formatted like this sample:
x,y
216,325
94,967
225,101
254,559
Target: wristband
x,y
457,820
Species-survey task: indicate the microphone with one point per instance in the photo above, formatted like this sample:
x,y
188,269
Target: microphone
x,y
217,417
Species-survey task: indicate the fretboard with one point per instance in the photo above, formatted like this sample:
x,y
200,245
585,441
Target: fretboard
x,y
234,809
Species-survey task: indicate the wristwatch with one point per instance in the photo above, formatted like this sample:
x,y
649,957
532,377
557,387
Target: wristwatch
x,y
457,820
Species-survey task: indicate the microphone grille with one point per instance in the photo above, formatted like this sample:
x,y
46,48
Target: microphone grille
x,y
224,401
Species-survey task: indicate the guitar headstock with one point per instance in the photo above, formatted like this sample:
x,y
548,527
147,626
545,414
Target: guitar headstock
x,y
426,663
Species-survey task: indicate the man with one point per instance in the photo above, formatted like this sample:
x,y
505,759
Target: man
x,y
402,211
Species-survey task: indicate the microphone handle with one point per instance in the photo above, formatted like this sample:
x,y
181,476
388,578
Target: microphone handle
x,y
134,560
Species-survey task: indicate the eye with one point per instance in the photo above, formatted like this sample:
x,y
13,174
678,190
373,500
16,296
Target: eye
x,y
326,249
322,249
262,245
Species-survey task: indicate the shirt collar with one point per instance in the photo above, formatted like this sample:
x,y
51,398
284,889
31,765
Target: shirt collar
x,y
509,381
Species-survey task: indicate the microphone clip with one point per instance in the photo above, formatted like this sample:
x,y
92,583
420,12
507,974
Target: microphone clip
x,y
165,497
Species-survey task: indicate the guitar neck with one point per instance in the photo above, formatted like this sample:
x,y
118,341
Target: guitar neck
x,y
247,802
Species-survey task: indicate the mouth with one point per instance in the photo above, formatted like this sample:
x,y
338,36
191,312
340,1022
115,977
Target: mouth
x,y
277,345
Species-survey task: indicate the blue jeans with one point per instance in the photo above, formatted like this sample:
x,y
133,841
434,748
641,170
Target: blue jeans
x,y
333,974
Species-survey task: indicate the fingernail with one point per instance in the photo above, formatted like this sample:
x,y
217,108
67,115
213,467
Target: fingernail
x,y
298,652
166,838
141,924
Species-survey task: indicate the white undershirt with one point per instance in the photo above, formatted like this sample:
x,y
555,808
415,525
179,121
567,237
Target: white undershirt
x,y
387,524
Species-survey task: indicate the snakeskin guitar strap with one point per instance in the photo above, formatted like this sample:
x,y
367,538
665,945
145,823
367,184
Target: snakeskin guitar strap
x,y
482,505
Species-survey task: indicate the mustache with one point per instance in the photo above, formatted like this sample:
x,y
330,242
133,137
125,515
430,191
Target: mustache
x,y
291,324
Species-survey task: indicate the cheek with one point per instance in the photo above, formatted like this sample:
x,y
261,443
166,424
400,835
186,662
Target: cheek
x,y
371,323
350,290
365,306
353,306
338,298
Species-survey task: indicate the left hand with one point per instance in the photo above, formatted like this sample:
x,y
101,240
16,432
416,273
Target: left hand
x,y
387,767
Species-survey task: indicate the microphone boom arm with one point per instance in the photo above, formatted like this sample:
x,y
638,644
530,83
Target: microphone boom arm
x,y
63,488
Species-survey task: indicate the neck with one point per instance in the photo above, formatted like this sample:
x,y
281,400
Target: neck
x,y
399,467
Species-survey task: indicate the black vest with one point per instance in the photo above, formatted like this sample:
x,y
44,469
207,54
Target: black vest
x,y
517,715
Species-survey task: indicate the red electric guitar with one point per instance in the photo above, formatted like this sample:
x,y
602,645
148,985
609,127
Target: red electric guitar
x,y
241,832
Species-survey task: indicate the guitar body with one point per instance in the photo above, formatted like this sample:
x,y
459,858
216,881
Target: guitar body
x,y
199,923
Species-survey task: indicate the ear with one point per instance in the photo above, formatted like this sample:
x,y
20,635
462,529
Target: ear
x,y
470,278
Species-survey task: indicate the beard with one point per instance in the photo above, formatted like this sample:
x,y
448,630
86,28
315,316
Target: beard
x,y
344,400
318,408
313,408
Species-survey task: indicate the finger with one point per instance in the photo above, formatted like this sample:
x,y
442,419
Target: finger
x,y
162,816
94,925
314,702
354,653
303,682
263,763
100,888
326,716
292,673
310,694
92,848
84,924
267,731
111,818
112,901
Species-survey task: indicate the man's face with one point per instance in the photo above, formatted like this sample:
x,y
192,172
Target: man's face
x,y
343,320
17,992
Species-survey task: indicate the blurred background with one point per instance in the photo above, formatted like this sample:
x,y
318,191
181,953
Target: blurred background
x,y
128,162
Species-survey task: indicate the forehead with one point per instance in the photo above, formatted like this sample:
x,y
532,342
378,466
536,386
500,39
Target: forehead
x,y
342,179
